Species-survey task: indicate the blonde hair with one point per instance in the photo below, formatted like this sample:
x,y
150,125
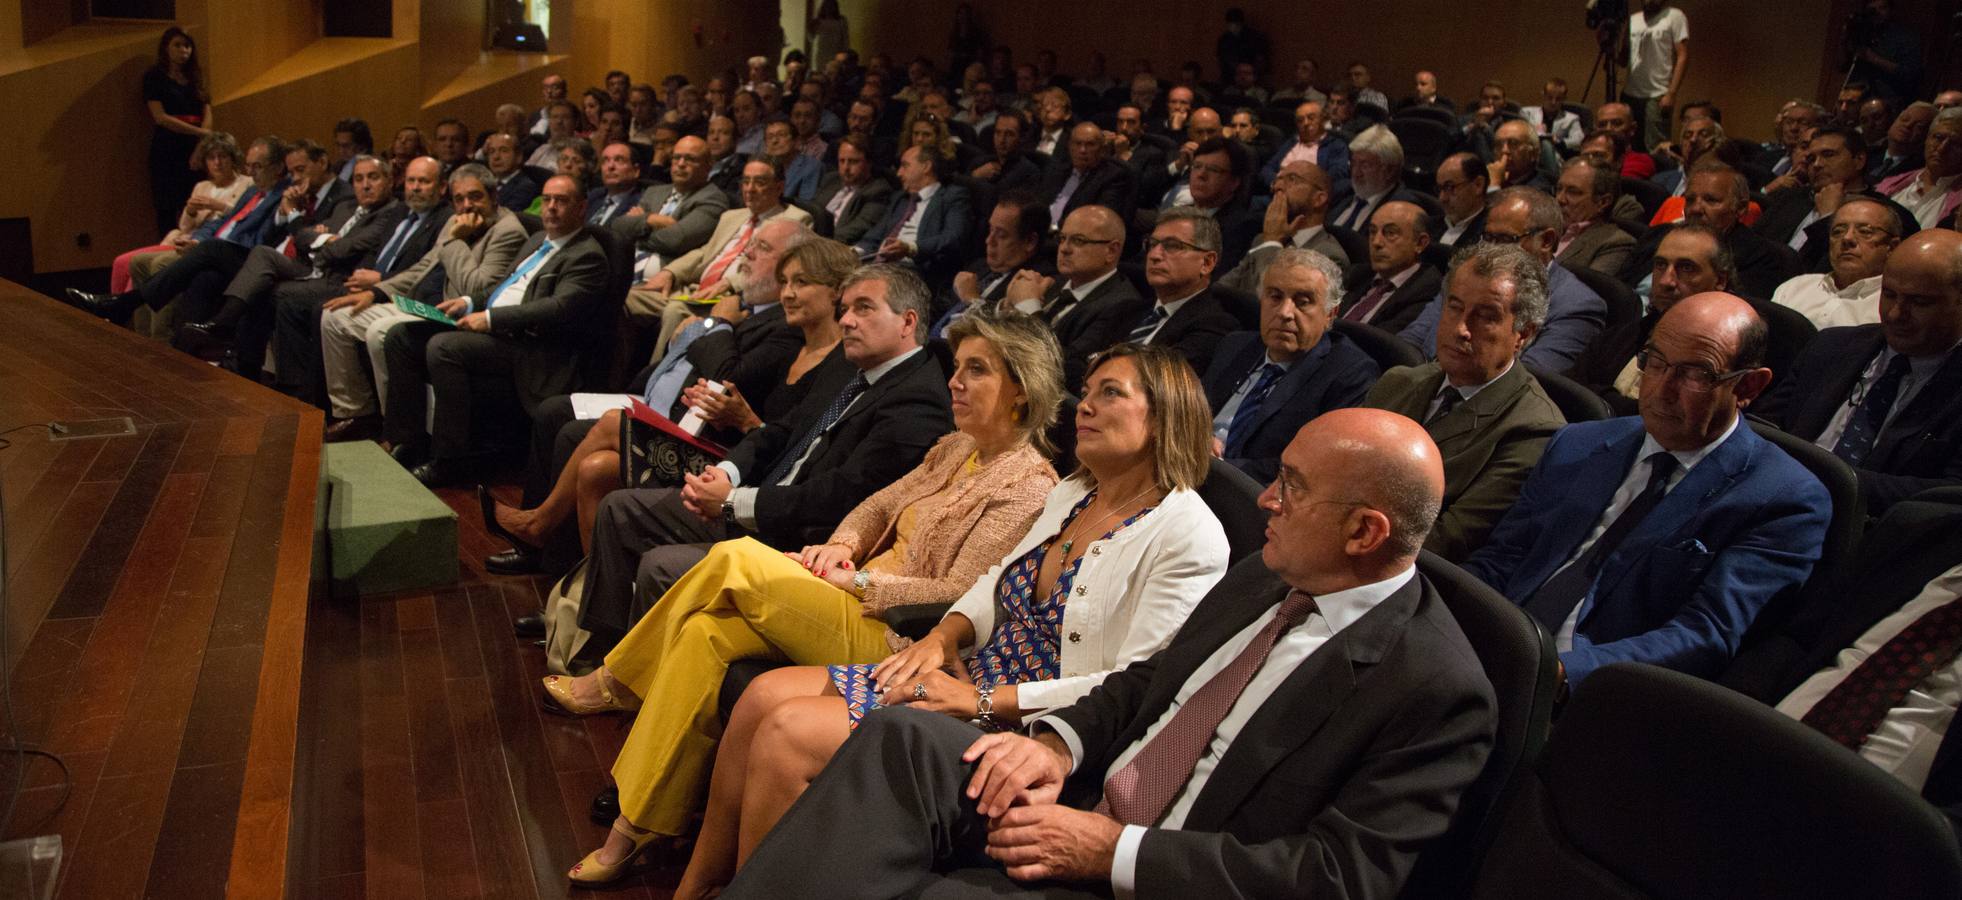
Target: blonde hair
x,y
1033,359
1181,420
825,261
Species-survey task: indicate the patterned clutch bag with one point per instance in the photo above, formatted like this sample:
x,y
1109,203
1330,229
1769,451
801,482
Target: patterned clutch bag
x,y
655,453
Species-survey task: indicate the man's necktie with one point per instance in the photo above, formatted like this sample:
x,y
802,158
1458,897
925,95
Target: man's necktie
x,y
1062,201
830,417
905,213
1379,291
673,203
1139,793
839,201
1556,598
224,231
1855,707
1863,426
386,260
291,247
1147,326
531,262
1065,301
719,269
1248,415
1448,400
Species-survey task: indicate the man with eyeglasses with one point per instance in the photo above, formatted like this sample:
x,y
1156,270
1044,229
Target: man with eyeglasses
x,y
1530,220
1659,538
1219,169
1202,127
1489,416
1087,304
1835,173
1461,189
1267,383
1295,218
1863,232
1312,143
1183,313
674,218
1933,192
1691,260
1886,397
1391,291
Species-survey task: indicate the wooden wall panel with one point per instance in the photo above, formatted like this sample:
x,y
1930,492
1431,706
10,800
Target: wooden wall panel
x,y
244,38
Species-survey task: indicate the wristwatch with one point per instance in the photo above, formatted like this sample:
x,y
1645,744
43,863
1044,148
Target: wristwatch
x,y
729,510
984,708
861,581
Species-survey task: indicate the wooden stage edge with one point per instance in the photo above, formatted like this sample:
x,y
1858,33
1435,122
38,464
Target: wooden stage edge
x,y
158,590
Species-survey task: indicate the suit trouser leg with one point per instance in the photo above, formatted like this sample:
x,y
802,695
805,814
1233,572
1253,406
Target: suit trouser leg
x,y
398,350
552,426
296,337
344,338
626,525
457,361
884,816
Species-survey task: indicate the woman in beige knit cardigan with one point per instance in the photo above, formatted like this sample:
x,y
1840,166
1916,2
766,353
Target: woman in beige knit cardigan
x,y
923,539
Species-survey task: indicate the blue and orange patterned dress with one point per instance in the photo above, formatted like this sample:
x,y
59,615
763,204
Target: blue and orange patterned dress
x,y
1026,645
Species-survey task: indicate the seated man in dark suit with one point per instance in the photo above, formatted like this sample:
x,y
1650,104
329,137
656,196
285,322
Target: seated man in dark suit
x,y
1264,385
1088,304
1217,177
1245,759
1392,290
1375,177
1691,260
619,188
1822,669
420,221
1010,167
1462,182
1531,219
1717,196
854,198
675,218
1295,217
530,330
1312,143
1489,416
218,248
1087,176
1658,539
926,229
1887,398
787,484
329,251
1015,230
515,189
1135,151
1183,313
1517,147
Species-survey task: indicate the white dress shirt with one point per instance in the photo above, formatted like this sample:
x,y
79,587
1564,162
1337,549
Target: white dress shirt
x,y
1333,612
1905,743
909,231
1171,309
1078,292
1920,370
1821,299
1925,202
1465,391
1631,487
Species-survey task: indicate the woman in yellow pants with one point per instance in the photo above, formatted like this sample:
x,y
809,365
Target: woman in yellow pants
x,y
923,539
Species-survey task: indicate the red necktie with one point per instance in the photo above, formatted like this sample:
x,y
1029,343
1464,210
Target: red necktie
x,y
1855,707
713,276
292,248
224,231
905,213
1141,791
1379,291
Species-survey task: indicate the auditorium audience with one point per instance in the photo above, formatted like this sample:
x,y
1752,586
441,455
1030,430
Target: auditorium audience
x,y
1126,540
1861,234
1265,384
1717,196
674,219
1931,192
1619,120
927,226
1015,231
1691,259
224,184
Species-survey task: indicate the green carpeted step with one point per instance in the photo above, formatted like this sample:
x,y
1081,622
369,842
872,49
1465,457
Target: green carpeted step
x,y
385,531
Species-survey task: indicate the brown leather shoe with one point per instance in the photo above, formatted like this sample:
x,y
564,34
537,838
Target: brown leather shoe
x,y
359,428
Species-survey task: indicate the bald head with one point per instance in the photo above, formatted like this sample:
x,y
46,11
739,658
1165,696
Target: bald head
x,y
1204,125
1355,499
1921,294
1704,365
1088,244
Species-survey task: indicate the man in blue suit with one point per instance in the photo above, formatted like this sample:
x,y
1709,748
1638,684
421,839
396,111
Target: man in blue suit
x,y
1313,143
927,226
218,248
1575,314
1658,539
1263,386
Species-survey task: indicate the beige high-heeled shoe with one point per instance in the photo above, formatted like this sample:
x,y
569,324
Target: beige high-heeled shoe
x,y
558,694
590,871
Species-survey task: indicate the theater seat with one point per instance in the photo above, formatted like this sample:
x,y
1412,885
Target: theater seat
x,y
1577,403
1623,306
1843,530
1660,785
1519,659
1388,350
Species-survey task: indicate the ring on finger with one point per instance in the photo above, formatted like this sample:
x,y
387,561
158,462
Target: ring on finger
x,y
919,690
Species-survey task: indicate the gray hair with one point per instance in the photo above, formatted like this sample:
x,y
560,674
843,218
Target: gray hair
x,y
1949,116
1604,181
1507,262
1205,229
387,168
1314,261
1380,142
1920,104
904,291
477,172
510,107
1542,211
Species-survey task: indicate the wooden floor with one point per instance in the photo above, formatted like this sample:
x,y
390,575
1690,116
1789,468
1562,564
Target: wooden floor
x,y
416,761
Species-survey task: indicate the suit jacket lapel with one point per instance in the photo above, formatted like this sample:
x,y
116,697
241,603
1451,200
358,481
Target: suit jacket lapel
x,y
1907,426
1297,378
1301,706
870,398
1684,504
1474,413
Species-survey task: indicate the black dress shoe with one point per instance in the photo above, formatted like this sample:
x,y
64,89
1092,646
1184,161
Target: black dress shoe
x,y
359,428
202,339
606,805
408,456
516,561
529,625
438,473
114,307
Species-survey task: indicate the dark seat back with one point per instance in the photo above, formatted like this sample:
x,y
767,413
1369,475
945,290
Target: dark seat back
x,y
1426,142
1388,350
1353,244
1623,306
1234,498
1645,192
1662,785
1577,403
1843,530
1428,113
1789,331
1520,661
1245,307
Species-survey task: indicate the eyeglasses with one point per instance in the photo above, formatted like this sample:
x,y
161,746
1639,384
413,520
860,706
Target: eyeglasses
x,y
1862,231
1698,379
1496,237
1171,245
1294,495
1078,241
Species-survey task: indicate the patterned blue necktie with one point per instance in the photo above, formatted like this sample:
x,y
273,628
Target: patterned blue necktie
x,y
1248,414
824,423
401,236
1863,427
1148,325
531,262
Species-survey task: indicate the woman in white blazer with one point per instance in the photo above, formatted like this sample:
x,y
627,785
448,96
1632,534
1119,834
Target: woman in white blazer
x,y
1121,553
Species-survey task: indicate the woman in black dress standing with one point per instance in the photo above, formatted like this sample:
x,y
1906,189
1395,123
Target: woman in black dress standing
x,y
174,91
